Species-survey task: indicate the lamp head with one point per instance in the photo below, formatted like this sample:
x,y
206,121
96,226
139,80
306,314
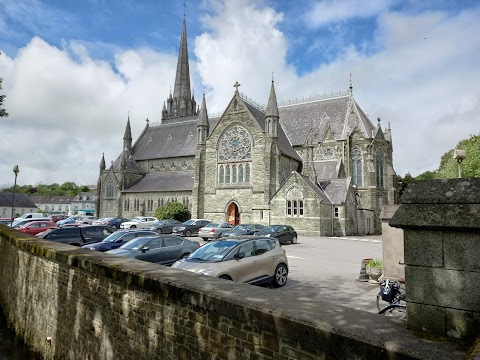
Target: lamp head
x,y
459,155
16,170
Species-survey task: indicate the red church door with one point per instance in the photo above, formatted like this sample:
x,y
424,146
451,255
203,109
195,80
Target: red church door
x,y
233,214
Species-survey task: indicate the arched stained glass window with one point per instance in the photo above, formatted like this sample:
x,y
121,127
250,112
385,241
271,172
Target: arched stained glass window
x,y
240,173
294,202
247,173
109,191
234,174
227,174
379,168
221,174
356,166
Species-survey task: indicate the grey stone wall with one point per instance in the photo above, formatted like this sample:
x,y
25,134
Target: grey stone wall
x,y
441,226
392,241
98,306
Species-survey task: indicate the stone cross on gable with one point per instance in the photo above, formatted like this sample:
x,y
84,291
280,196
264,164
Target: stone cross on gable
x,y
236,85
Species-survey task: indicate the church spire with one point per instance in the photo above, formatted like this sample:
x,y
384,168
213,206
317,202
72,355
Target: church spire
x,y
182,78
127,138
102,163
271,114
203,125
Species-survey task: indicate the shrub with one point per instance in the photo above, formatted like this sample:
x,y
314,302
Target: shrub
x,y
173,210
375,263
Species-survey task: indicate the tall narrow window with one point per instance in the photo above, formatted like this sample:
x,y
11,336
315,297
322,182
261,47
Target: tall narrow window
x,y
356,166
227,174
379,168
221,175
294,202
240,173
234,174
110,190
289,207
247,173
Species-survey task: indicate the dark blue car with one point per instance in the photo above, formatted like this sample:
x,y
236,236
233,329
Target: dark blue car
x,y
117,239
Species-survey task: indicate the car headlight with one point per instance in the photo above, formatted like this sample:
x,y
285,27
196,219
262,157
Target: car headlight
x,y
205,272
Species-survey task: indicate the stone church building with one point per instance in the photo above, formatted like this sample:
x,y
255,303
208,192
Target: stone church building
x,y
319,165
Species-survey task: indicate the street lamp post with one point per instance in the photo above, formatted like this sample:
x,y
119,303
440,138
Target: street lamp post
x,y
16,170
459,155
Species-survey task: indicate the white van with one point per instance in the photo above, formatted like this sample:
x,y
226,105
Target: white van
x,y
30,216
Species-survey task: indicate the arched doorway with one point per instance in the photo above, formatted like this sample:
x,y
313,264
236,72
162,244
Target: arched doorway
x,y
233,215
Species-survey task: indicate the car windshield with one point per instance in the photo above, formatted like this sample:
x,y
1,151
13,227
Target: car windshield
x,y
214,251
268,229
134,244
212,225
189,222
241,228
137,219
112,237
161,222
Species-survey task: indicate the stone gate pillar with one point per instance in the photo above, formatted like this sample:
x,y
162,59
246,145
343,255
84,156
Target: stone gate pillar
x,y
441,222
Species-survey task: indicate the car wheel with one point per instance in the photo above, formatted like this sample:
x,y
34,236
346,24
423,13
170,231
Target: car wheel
x,y
159,231
188,233
133,227
225,277
205,239
280,276
294,240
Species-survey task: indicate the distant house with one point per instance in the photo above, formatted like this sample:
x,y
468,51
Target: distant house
x,y
83,203
23,204
53,204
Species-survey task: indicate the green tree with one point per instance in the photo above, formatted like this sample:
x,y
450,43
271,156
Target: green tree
x,y
403,183
3,112
470,166
427,175
173,210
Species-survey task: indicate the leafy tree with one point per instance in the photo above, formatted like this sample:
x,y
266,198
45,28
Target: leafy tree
x,y
403,183
84,188
173,210
470,166
427,175
3,112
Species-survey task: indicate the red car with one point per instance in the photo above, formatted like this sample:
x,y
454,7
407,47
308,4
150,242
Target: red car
x,y
35,227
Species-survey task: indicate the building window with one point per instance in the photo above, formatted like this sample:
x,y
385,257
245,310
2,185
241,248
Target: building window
x,y
336,212
379,168
295,202
247,173
109,192
240,173
126,204
356,166
221,174
227,174
234,174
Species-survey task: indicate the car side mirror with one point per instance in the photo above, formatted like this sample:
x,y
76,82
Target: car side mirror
x,y
145,249
240,255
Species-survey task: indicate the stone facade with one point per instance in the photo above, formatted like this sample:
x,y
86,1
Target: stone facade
x,y
242,179
93,305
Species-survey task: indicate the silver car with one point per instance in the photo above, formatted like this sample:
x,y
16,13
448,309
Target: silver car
x,y
214,230
251,260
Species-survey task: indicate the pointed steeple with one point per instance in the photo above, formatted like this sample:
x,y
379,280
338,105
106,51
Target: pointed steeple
x,y
182,78
102,163
203,125
271,114
127,137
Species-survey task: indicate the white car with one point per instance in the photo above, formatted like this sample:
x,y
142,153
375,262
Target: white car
x,y
139,222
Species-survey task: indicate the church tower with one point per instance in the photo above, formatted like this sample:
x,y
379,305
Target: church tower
x,y
271,143
182,104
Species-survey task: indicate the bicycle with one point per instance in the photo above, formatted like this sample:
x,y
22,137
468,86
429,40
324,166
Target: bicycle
x,y
392,293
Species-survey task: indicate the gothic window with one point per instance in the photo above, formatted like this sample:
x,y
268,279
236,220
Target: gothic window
x,y
240,173
336,214
221,175
379,168
356,166
234,156
109,192
294,202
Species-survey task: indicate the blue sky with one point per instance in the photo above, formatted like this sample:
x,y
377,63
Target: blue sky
x,y
73,70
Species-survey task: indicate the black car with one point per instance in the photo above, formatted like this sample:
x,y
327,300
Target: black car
x,y
164,226
117,239
77,235
115,221
190,227
163,249
284,233
244,229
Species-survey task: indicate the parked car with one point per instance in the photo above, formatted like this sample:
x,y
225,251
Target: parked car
x,y
164,226
117,239
57,217
30,216
190,227
114,221
99,221
18,223
139,222
5,221
244,229
164,249
214,230
77,235
284,233
35,227
69,220
86,219
247,259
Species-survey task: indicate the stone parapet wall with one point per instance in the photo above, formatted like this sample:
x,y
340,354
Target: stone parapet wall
x,y
98,306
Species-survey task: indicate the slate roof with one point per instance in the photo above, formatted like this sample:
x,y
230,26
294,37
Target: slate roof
x,y
164,181
130,161
60,200
298,119
326,170
315,188
21,200
335,189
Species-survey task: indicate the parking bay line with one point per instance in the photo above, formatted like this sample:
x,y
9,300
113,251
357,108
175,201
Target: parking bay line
x,y
356,239
295,257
